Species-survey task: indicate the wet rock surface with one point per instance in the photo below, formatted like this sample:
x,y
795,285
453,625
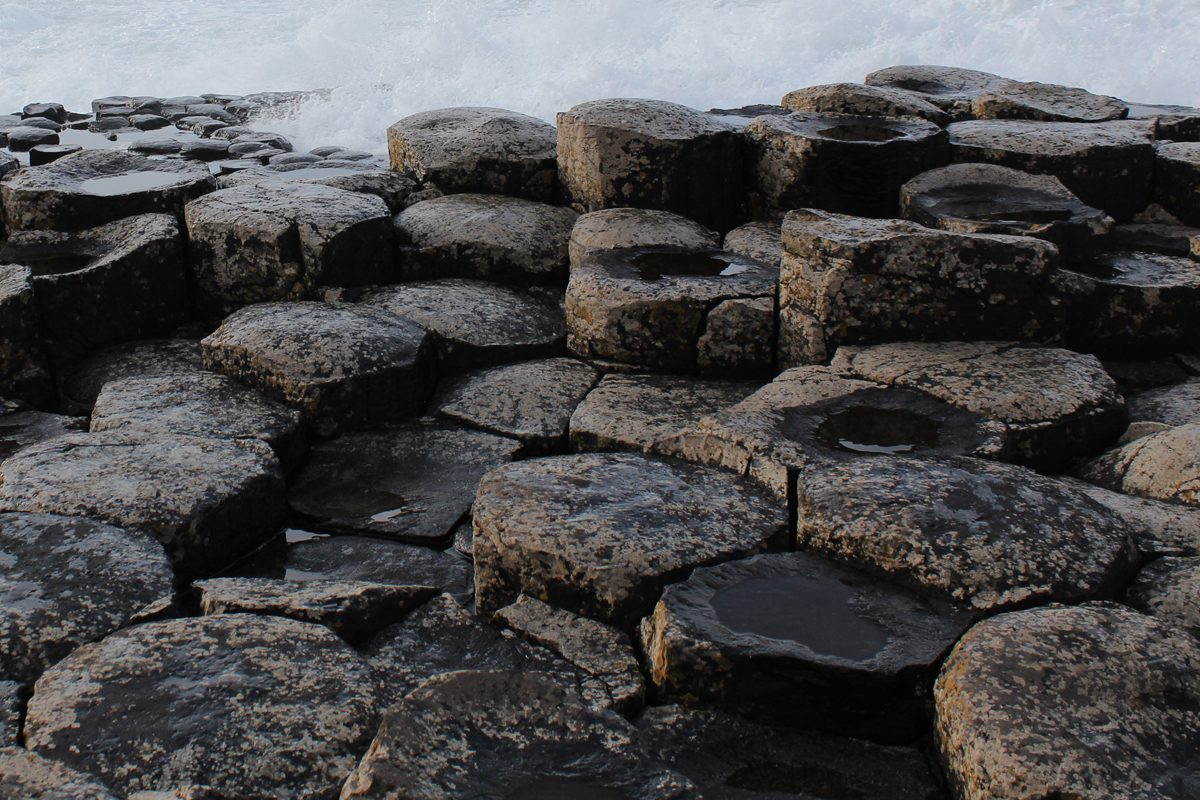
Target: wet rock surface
x,y
1159,528
12,707
1161,466
365,177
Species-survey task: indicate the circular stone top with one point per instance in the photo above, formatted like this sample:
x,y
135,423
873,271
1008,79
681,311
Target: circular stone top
x,y
618,228
1187,152
1058,139
1139,268
858,130
655,119
449,137
656,272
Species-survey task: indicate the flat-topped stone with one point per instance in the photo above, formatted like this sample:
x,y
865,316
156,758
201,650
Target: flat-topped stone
x,y
601,534
1095,701
864,100
23,372
1171,123
1169,589
24,775
1161,466
488,237
619,228
278,708
477,150
344,366
412,482
1176,175
208,501
68,581
80,384
92,187
23,428
1175,404
951,88
1047,102
352,176
253,244
758,240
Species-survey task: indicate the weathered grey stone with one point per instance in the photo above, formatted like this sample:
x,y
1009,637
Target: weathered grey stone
x,y
477,150
201,404
343,366
23,428
665,308
25,775
847,280
532,401
986,198
733,759
8,164
1159,528
22,372
611,676
208,501
252,706
253,244
635,412
950,88
1057,405
864,100
1137,430
1090,702
1171,123
602,534
758,240
620,228
652,154
1177,404
847,163
24,138
476,324
1176,178
794,639
488,237
1108,165
92,187
1162,466
1047,102
500,734
985,535
412,482
12,707
124,280
81,383
352,176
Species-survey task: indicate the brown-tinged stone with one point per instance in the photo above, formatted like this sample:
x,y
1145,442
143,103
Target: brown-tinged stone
x,y
12,708
1159,528
1176,404
1161,466
864,100
950,88
25,775
1047,102
757,240
1169,589
621,228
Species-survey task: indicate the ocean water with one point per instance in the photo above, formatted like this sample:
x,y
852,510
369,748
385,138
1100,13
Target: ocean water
x,y
383,59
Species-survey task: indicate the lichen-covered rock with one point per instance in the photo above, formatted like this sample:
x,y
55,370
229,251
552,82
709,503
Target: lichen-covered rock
x,y
252,244
532,401
652,154
757,240
847,163
1169,589
23,374
81,383
343,366
23,428
1176,178
209,501
620,228
494,734
985,535
1177,404
1090,702
92,187
412,482
1108,165
251,706
25,775
68,581
602,534
1047,102
477,150
488,237
864,100
1161,466
1159,528
476,324
950,88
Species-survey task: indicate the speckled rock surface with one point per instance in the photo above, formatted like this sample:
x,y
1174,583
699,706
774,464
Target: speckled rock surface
x,y
950,88
23,428
1162,466
1047,102
743,636
477,150
475,323
280,709
366,178
343,366
601,534
610,676
253,245
1057,405
1090,702
987,198
1108,165
494,734
488,237
757,240
847,163
1159,528
651,154
635,412
22,372
619,228
207,500
81,383
201,404
25,775
864,100
124,280
68,581
1176,176
673,310
1177,404
93,187
532,401
733,759
12,707
412,482
985,535
847,280
1169,589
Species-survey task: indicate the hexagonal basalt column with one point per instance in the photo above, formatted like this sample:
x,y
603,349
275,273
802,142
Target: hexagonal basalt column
x,y
675,310
1177,180
863,100
846,163
620,228
652,154
952,89
1047,102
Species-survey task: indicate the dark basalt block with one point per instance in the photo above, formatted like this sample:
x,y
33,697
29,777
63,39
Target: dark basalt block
x,y
1177,180
23,374
81,383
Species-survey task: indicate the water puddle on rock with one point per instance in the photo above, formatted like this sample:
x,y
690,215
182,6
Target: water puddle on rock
x,y
129,183
357,500
562,788
46,262
819,613
861,133
878,431
1136,268
309,173
994,203
655,266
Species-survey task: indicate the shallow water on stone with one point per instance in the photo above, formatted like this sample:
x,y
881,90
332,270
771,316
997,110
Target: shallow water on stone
x,y
316,172
356,500
878,431
47,262
811,780
654,266
861,133
129,183
561,788
992,203
818,613
1134,268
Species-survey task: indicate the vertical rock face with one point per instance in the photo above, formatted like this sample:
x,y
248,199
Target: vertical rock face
x,y
1092,702
1170,590
22,373
1176,178
652,154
